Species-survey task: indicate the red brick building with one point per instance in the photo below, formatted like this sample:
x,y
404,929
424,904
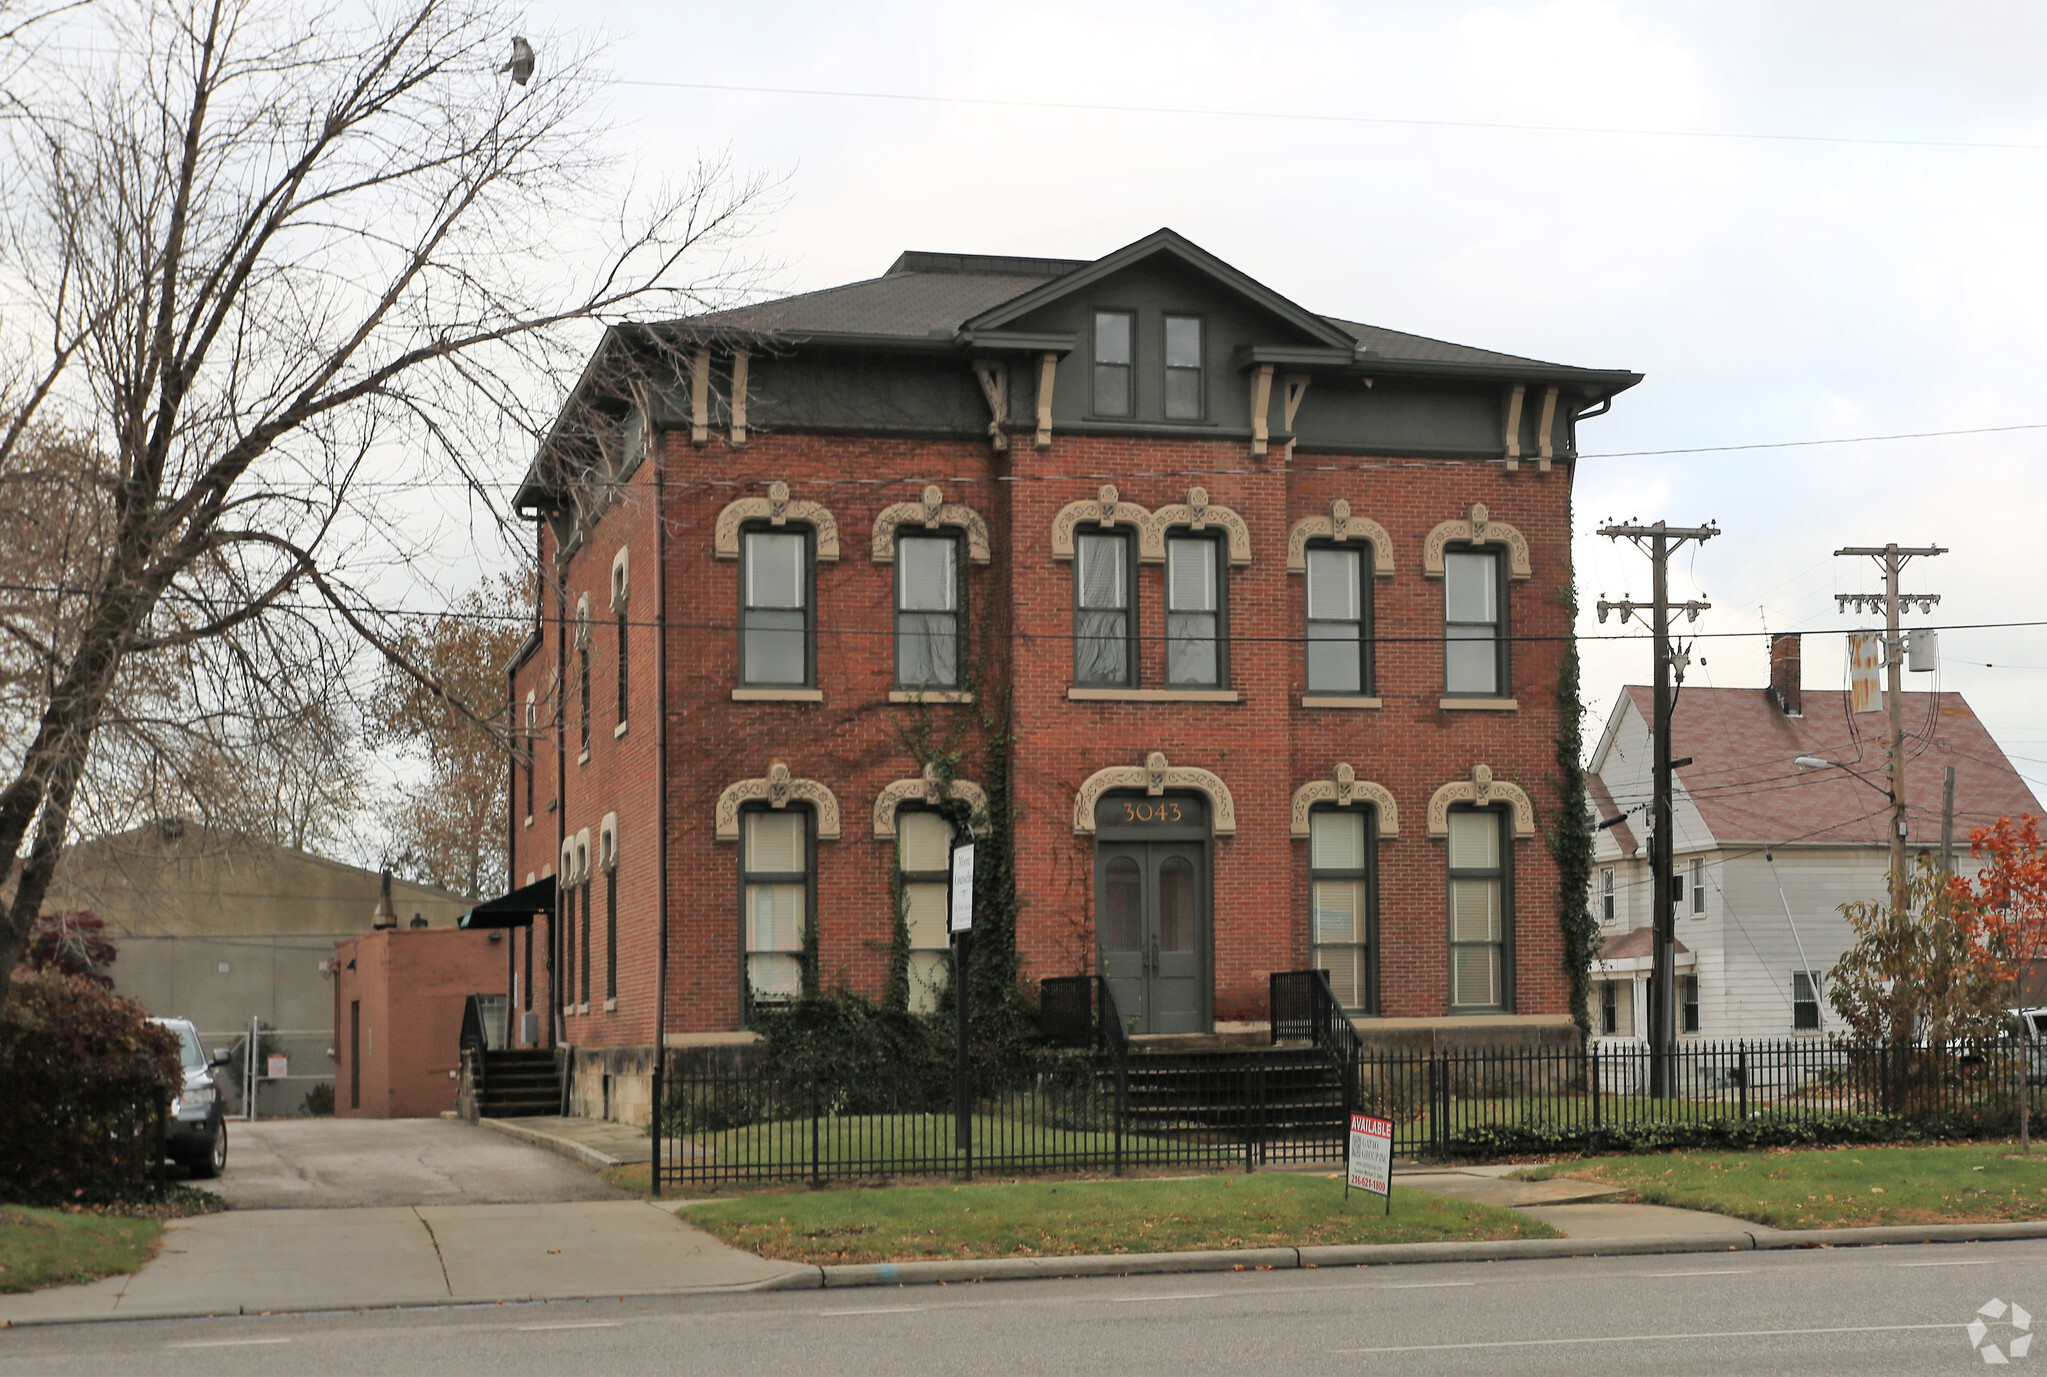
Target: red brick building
x,y
398,1001
1244,625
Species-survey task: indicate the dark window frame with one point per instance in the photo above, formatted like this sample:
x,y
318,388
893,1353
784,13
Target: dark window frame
x,y
1505,875
583,1004
1698,886
1095,364
1134,673
532,753
1503,678
959,631
1369,874
809,534
808,879
1801,1022
624,676
611,934
1609,907
1688,1003
1167,368
927,877
1609,1008
568,950
1367,559
1218,543
583,673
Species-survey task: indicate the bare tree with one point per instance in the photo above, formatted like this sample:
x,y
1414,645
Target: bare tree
x,y
263,255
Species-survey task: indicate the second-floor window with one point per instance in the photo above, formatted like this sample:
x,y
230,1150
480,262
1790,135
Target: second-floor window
x,y
775,625
1474,631
1195,649
1698,885
1607,912
1338,621
1104,611
1114,395
927,612
1184,400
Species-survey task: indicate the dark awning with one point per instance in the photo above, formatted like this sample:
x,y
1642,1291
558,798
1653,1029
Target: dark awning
x,y
515,910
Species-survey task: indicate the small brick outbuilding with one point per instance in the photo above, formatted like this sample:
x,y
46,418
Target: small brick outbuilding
x,y
398,1001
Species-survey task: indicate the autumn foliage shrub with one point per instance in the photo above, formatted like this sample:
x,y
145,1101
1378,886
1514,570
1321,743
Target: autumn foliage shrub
x,y
84,1079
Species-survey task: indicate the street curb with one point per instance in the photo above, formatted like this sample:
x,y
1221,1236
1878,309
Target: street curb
x,y
555,1143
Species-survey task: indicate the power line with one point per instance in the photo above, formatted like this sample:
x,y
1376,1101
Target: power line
x,y
1314,117
1806,444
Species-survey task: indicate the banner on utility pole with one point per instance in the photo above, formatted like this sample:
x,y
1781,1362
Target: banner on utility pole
x,y
1865,661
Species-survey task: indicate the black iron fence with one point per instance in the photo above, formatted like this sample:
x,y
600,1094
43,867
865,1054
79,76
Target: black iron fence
x,y
1100,1107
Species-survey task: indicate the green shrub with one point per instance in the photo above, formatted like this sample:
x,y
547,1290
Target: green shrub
x,y
84,1078
1761,1131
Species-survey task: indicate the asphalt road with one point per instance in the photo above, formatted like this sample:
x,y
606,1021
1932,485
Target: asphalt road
x,y
1868,1312
300,1164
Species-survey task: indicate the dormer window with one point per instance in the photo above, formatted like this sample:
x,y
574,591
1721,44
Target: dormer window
x,y
1113,392
1184,400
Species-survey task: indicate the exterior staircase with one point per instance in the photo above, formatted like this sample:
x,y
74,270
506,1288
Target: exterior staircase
x,y
520,1083
1277,1094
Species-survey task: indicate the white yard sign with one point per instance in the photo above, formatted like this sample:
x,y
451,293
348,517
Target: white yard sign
x,y
962,913
1370,1161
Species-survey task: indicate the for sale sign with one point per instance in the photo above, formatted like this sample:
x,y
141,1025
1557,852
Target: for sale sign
x,y
1370,1159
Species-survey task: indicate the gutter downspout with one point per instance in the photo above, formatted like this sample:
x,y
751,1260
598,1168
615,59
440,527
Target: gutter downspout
x,y
661,803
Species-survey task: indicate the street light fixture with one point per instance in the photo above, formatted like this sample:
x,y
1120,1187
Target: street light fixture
x,y
1810,763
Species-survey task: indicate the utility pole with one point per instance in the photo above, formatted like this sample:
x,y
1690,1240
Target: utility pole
x,y
1947,824
1893,559
1658,541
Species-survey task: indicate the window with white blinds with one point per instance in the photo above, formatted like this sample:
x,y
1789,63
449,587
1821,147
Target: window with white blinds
x,y
1104,611
927,612
774,635
1337,616
1340,903
775,884
1478,918
1194,594
1474,644
924,856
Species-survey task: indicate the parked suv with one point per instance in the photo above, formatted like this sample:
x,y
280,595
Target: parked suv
x,y
195,1137
2032,1031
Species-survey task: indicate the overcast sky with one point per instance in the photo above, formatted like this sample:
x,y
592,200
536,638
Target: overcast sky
x,y
1854,282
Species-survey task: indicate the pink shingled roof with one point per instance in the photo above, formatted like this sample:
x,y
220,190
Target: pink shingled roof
x,y
1634,943
1747,790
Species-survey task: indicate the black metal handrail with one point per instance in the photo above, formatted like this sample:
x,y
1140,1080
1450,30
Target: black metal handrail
x,y
1305,1007
1080,1011
474,1042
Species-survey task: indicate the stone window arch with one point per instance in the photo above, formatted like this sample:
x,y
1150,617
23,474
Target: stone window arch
x,y
1196,514
1156,776
778,508
932,512
1476,527
1345,790
1106,509
777,789
1480,791
1340,526
927,789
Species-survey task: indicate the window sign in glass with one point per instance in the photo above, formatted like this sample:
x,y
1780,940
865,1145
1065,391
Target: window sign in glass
x,y
927,612
1183,368
1193,615
775,622
1471,623
1113,357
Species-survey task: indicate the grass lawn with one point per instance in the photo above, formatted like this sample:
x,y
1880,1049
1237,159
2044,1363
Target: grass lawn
x,y
41,1248
1058,1218
1812,1188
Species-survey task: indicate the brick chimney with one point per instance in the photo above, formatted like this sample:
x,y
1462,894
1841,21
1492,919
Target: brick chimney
x,y
1787,678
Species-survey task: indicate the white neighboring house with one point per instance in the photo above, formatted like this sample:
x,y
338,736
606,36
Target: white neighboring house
x,y
1767,853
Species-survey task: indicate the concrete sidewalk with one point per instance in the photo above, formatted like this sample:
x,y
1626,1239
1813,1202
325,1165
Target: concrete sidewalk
x,y
255,1261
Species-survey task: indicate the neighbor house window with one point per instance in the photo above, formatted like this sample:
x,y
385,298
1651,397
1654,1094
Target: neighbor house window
x,y
1478,910
1805,1001
774,636
1607,910
1688,1003
1338,614
1113,332
1698,885
1183,369
1340,903
1609,1008
927,612
775,885
1474,644
924,856
1104,611
1194,613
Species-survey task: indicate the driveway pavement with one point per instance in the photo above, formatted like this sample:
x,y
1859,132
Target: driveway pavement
x,y
321,1164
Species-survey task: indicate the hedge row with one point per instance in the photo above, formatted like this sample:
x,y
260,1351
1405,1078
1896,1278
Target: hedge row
x,y
1821,1130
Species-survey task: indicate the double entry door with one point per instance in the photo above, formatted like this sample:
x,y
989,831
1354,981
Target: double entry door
x,y
1151,907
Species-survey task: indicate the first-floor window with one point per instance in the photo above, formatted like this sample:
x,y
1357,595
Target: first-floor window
x,y
924,855
568,990
775,884
1340,916
1609,1008
611,934
1478,912
1688,1003
1805,1001
583,958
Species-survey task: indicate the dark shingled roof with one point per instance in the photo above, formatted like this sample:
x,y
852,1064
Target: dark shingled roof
x,y
1746,788
1406,348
